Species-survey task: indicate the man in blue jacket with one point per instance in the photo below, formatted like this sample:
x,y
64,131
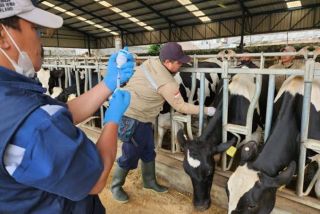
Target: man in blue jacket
x,y
48,165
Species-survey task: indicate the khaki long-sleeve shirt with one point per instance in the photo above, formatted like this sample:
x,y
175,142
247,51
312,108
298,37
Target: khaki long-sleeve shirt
x,y
147,101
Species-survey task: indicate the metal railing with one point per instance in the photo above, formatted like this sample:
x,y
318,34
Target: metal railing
x,y
100,65
309,72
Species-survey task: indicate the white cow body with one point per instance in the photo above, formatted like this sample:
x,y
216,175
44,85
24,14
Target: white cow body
x,y
317,188
56,91
43,76
71,97
164,124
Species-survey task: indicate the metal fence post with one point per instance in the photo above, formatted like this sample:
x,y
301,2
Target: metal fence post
x,y
308,78
253,106
271,89
225,104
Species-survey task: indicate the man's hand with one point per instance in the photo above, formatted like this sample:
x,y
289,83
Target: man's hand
x,y
126,71
117,106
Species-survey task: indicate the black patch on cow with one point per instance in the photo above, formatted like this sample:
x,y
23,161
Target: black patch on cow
x,y
247,63
263,99
55,74
285,141
258,200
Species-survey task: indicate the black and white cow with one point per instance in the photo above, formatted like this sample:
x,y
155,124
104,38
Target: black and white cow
x,y
252,187
198,153
184,80
198,161
50,80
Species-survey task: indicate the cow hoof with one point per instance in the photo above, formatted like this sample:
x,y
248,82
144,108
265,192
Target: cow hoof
x,y
203,206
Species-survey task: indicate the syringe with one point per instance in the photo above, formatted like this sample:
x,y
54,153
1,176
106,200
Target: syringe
x,y
121,59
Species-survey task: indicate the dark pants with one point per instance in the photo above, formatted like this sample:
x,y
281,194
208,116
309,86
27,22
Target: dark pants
x,y
90,204
140,146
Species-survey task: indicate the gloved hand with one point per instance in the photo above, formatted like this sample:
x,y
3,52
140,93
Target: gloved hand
x,y
211,111
126,70
117,106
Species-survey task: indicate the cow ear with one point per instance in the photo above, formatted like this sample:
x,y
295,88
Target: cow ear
x,y
182,138
223,146
283,178
249,152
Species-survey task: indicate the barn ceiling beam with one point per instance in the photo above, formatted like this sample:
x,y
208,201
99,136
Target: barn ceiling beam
x,y
267,4
181,13
239,16
158,13
93,15
80,31
253,14
176,14
230,11
94,35
127,11
216,30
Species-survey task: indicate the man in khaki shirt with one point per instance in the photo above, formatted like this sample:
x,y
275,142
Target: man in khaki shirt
x,y
151,85
286,62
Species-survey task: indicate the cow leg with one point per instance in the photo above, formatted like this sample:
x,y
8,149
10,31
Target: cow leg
x,y
164,124
161,132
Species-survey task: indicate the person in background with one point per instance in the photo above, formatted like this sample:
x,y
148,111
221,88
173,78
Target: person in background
x,y
150,86
286,62
246,62
48,164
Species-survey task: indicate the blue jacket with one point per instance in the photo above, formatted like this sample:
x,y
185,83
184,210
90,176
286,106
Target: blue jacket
x,y
52,166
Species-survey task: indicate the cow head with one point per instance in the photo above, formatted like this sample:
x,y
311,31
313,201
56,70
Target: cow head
x,y
55,75
252,191
199,164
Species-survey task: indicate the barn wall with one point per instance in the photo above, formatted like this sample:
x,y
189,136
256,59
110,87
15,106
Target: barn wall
x,y
66,38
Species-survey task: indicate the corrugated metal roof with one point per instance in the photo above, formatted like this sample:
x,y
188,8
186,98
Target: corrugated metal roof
x,y
158,14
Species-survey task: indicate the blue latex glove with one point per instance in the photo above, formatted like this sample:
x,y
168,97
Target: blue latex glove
x,y
126,70
117,106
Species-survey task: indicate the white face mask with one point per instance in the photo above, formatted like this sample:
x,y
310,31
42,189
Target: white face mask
x,y
24,66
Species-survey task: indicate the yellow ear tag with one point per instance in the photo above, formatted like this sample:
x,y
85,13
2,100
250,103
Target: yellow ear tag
x,y
282,187
231,151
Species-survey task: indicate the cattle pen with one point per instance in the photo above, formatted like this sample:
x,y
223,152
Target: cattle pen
x,y
160,106
169,162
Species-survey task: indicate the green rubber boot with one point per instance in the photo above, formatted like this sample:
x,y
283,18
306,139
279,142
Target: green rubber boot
x,y
149,178
119,177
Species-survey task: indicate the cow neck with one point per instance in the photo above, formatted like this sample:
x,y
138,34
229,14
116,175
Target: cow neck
x,y
214,129
282,145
